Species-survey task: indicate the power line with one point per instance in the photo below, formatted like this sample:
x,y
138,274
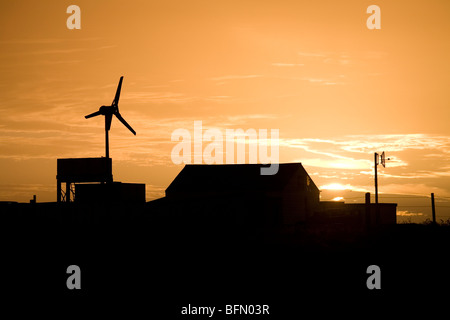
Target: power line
x,y
408,206
404,196
399,197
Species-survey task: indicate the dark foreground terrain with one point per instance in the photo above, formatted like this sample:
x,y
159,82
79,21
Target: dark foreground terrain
x,y
134,262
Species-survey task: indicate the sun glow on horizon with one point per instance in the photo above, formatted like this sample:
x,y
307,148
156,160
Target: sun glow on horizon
x,y
338,199
336,186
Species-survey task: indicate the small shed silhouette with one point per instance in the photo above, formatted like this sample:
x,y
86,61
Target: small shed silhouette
x,y
239,194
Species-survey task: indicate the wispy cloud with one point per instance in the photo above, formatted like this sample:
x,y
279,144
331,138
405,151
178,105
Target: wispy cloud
x,y
406,213
279,64
314,80
24,192
326,82
418,175
236,77
347,163
156,97
64,51
312,54
395,142
47,40
418,188
347,147
350,158
339,60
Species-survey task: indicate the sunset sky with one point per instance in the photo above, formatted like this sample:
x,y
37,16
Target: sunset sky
x,y
336,91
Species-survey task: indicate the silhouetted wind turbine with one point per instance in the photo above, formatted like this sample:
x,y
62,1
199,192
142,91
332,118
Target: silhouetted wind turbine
x,y
108,112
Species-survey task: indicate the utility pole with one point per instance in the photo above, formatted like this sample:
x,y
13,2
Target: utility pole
x,y
377,209
433,209
376,178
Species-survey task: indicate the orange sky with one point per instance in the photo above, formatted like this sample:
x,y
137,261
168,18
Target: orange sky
x,y
336,90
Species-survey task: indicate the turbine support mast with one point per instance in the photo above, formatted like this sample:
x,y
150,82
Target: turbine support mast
x,y
106,144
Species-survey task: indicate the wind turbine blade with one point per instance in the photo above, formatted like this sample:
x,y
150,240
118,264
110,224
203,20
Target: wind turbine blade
x,y
108,119
97,113
124,122
116,98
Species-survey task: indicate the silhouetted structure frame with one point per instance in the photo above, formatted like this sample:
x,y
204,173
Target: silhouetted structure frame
x,y
75,170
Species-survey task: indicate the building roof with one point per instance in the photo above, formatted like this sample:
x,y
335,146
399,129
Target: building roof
x,y
195,178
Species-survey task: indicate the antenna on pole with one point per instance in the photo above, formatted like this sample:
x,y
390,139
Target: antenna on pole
x,y
383,159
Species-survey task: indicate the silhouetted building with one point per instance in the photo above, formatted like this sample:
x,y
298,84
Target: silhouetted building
x,y
90,180
238,194
76,170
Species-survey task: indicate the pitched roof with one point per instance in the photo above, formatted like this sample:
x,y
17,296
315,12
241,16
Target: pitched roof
x,y
232,177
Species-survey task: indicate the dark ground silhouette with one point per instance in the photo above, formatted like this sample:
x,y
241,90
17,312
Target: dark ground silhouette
x,y
134,260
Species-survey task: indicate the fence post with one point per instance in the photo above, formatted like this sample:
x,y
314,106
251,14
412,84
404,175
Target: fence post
x,y
433,209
